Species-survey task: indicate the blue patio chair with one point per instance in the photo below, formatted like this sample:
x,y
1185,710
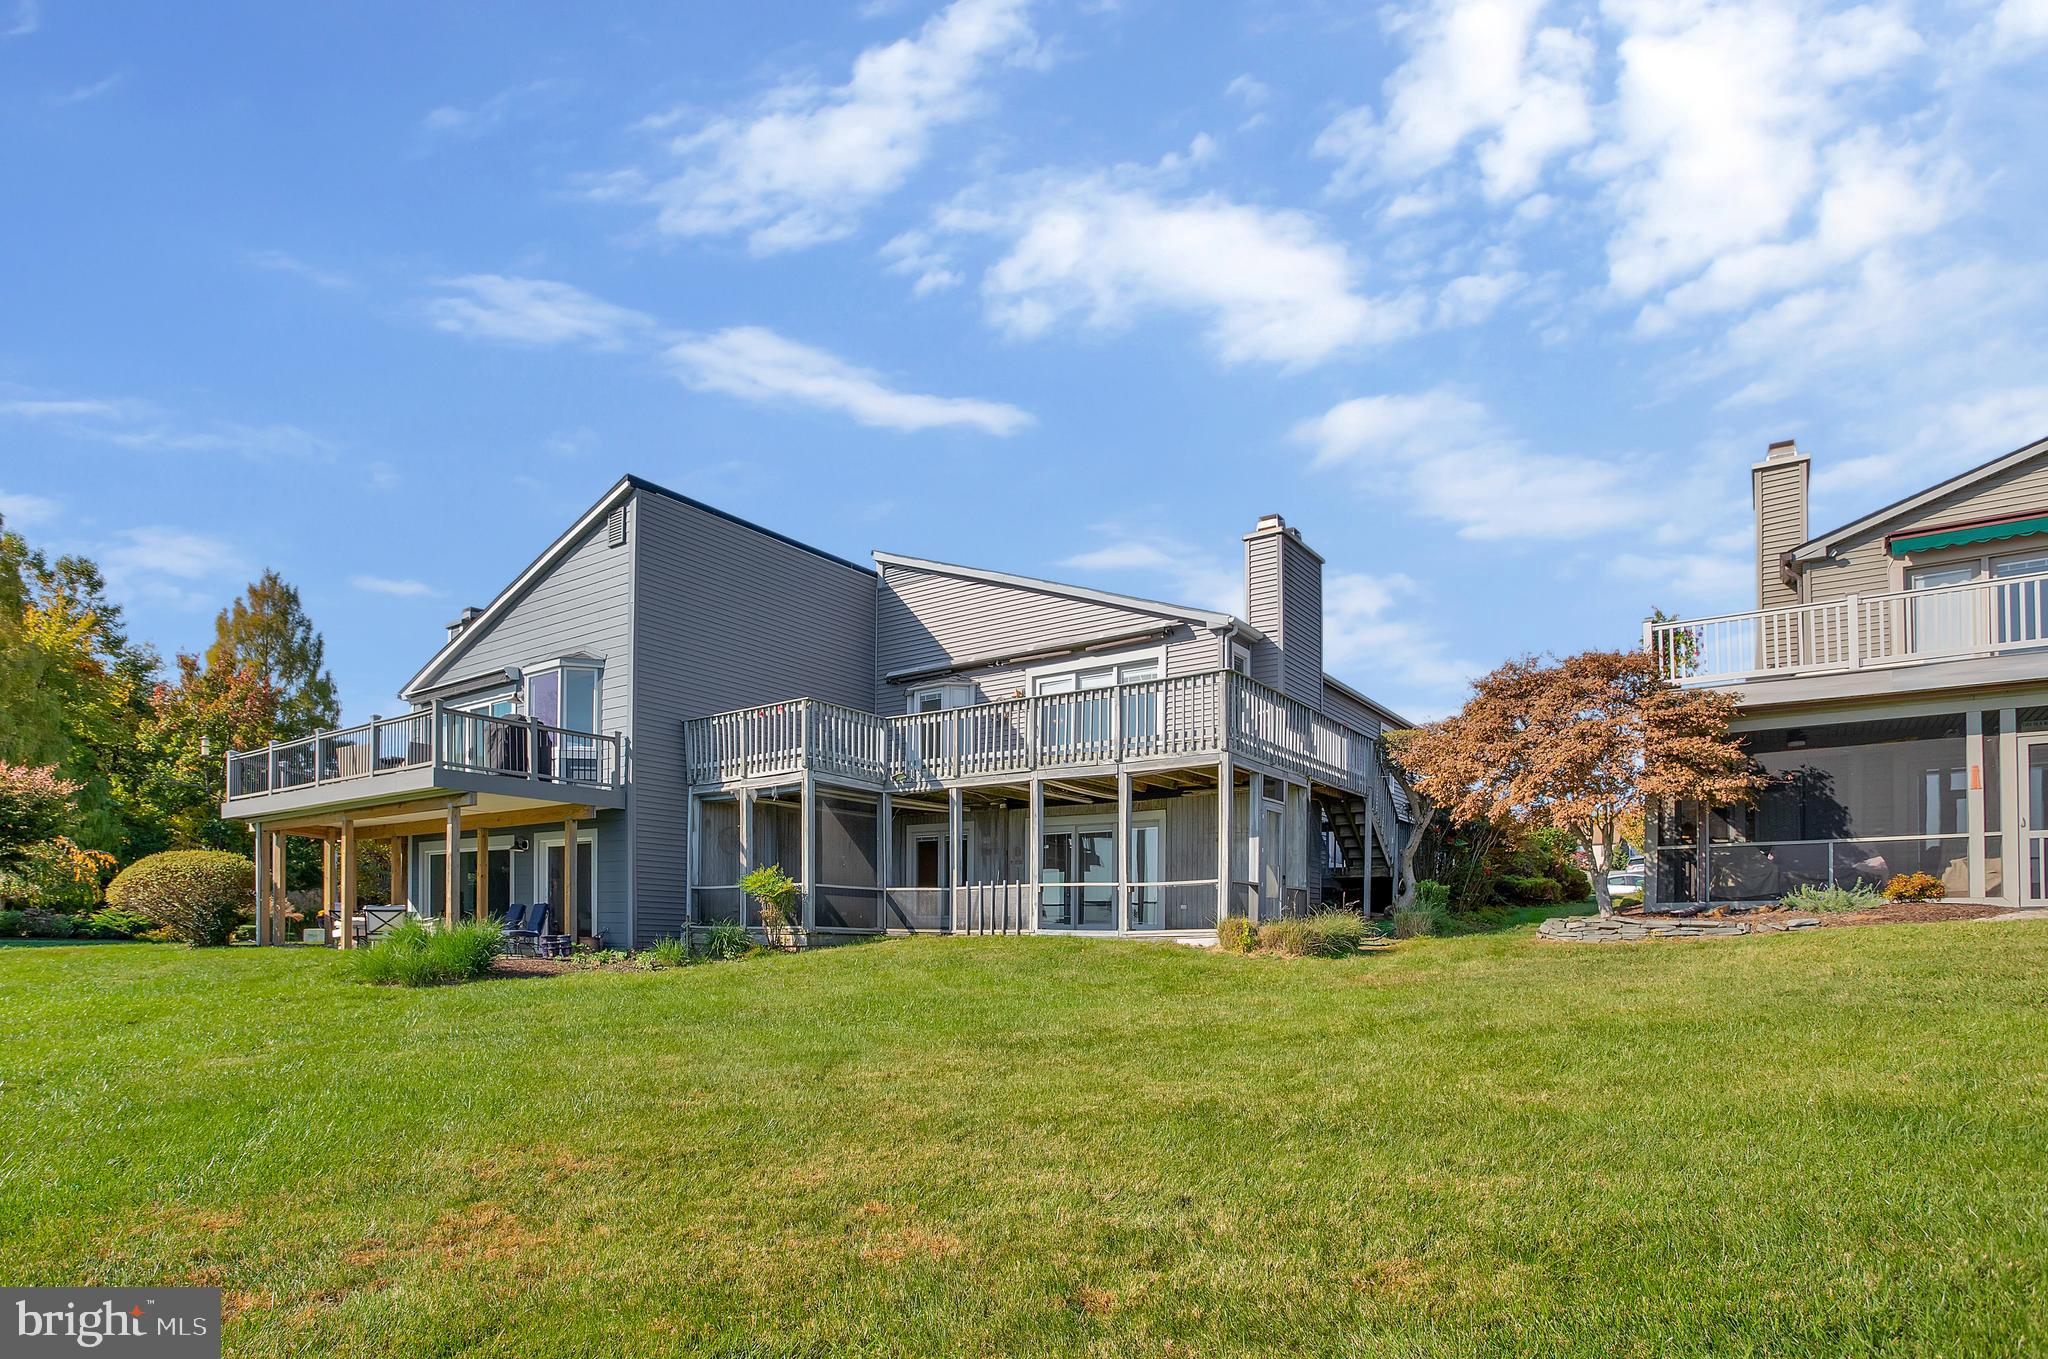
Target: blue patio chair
x,y
518,929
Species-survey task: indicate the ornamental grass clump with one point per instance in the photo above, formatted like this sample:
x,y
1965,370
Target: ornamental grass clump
x,y
668,952
1829,900
195,895
410,954
1325,934
723,942
1235,934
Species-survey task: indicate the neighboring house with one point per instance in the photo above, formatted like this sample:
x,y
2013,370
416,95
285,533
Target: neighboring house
x,y
669,695
1894,679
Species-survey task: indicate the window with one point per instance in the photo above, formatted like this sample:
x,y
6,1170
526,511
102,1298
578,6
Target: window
x,y
1945,622
2032,563
938,697
1241,659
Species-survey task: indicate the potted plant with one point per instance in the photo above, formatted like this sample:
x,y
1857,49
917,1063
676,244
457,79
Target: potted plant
x,y
778,897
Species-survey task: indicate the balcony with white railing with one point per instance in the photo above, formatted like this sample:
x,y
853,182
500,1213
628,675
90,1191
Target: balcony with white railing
x,y
431,747
1912,627
1188,718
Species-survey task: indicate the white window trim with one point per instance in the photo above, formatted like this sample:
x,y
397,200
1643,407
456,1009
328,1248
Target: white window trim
x,y
1080,821
431,850
547,840
560,667
951,695
1114,659
1240,652
916,834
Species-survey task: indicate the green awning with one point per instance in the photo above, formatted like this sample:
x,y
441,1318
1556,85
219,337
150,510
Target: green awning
x,y
1981,533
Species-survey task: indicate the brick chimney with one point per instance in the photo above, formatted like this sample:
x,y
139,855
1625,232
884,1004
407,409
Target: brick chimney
x,y
1778,491
1283,598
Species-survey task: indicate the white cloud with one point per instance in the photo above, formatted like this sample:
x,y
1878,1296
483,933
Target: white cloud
x,y
1269,285
81,94
571,443
26,19
281,262
402,589
1481,72
1737,157
756,364
458,121
161,564
1365,634
1443,453
914,254
382,476
1187,574
18,508
1471,298
140,425
1250,91
532,311
2019,24
807,160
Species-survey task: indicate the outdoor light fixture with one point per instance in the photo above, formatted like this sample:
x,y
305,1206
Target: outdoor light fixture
x,y
1795,740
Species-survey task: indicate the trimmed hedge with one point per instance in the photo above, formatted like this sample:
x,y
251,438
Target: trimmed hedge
x,y
197,895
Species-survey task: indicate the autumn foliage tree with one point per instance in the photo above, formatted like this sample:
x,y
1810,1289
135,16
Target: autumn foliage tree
x,y
1583,744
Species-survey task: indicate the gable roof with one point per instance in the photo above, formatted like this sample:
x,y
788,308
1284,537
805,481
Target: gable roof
x,y
1206,617
1825,543
623,488
1394,720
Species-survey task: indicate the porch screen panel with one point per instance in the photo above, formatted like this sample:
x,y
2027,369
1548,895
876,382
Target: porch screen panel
x,y
1190,858
779,836
846,896
718,843
1907,776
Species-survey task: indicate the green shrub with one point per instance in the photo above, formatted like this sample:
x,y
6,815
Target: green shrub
x,y
111,922
717,943
1235,934
777,894
13,924
413,955
195,895
1825,900
1531,890
1572,882
1626,901
670,952
42,924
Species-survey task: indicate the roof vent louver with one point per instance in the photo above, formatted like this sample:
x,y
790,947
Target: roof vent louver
x,y
615,528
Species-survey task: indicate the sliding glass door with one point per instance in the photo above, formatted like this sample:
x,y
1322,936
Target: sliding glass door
x,y
1077,878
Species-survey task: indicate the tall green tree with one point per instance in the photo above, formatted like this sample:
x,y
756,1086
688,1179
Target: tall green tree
x,y
267,630
92,695
31,717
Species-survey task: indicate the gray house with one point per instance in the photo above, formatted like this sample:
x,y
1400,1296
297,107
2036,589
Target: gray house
x,y
1893,677
669,695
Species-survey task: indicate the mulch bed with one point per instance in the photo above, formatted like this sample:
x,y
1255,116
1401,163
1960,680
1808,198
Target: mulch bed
x,y
1891,913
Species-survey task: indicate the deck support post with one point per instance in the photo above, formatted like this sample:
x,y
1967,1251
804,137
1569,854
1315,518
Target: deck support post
x,y
394,858
451,881
1034,855
885,848
1226,799
1255,848
483,875
569,884
1123,851
279,933
955,870
327,911
262,845
807,822
348,881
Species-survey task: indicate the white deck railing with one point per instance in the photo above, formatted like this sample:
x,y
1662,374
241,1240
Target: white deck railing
x,y
1203,714
437,737
1978,618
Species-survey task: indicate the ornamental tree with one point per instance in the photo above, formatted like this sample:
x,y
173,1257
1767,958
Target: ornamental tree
x,y
34,806
1583,744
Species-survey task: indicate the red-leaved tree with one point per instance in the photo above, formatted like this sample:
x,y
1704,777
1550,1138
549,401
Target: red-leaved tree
x,y
1582,743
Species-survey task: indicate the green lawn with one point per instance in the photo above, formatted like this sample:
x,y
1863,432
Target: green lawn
x,y
1831,1143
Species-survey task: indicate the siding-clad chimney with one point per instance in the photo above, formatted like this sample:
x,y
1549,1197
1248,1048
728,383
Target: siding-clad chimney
x,y
1778,490
1283,598
461,625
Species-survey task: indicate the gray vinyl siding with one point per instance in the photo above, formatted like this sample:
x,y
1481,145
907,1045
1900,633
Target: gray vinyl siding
x,y
1351,712
1780,525
1864,567
580,606
726,617
926,619
1262,605
1301,638
1188,651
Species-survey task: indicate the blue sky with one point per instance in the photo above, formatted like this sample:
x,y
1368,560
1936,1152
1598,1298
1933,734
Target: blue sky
x,y
1496,301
